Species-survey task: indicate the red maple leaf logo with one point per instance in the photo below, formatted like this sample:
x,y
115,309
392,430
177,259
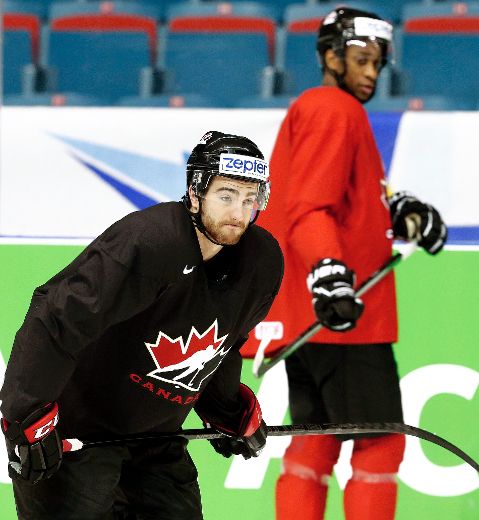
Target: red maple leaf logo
x,y
166,351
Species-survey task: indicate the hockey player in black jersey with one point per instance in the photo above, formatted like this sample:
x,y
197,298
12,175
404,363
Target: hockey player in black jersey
x,y
145,324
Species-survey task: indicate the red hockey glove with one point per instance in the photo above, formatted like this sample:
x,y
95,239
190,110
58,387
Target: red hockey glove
x,y
248,436
334,300
431,233
34,447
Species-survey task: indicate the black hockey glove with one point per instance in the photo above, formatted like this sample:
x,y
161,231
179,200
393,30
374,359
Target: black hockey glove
x,y
248,436
334,300
246,446
430,230
34,447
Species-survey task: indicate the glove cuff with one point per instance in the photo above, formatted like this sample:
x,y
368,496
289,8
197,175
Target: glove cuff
x,y
37,425
246,421
252,415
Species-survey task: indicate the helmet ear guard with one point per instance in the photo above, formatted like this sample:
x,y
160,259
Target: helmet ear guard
x,y
198,185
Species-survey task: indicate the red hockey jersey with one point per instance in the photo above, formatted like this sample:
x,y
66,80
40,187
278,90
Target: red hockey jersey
x,y
328,199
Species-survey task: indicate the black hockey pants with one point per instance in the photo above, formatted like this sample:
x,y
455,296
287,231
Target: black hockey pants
x,y
138,481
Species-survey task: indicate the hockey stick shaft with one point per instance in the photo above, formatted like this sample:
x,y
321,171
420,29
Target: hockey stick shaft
x,y
263,366
284,430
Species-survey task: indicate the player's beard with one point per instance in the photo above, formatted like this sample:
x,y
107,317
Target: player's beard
x,y
220,233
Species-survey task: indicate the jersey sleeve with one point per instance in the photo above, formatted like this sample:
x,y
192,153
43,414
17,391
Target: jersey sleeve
x,y
101,288
260,313
270,278
321,155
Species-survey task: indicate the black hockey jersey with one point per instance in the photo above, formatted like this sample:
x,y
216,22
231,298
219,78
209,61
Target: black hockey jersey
x,y
129,335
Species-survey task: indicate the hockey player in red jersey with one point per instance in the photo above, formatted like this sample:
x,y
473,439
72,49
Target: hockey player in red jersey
x,y
335,224
143,326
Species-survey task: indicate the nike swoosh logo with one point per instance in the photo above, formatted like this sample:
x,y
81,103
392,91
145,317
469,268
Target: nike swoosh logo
x,y
188,270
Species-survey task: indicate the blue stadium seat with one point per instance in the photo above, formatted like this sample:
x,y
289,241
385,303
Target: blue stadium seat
x,y
17,53
170,100
38,9
305,17
21,42
54,100
150,8
225,65
439,9
279,6
236,18
441,64
105,64
440,50
106,54
403,103
301,67
215,8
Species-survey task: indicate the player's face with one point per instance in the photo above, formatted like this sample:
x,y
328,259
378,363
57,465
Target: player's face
x,y
227,208
363,65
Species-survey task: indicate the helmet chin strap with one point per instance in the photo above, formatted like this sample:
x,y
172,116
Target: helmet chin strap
x,y
339,78
198,223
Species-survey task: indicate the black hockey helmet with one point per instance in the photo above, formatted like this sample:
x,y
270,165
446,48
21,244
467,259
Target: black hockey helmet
x,y
345,25
227,155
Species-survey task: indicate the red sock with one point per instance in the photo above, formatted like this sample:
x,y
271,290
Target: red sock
x,y
302,488
299,498
370,501
371,494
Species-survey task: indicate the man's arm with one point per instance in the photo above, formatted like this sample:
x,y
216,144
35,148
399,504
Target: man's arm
x,y
321,164
66,314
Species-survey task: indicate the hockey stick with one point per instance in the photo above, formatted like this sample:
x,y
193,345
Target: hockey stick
x,y
281,431
260,366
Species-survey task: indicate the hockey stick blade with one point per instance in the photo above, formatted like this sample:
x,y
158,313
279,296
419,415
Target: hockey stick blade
x,y
284,430
388,428
265,365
